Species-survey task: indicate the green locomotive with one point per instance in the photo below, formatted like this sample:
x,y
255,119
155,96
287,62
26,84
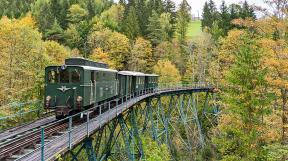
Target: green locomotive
x,y
81,83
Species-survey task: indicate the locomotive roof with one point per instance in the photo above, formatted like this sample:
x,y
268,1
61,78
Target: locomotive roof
x,y
152,75
131,73
85,62
96,68
136,73
87,68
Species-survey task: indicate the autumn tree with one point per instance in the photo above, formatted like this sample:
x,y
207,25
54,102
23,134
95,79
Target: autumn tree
x,y
113,43
56,53
246,102
99,55
141,56
22,59
167,50
273,39
167,71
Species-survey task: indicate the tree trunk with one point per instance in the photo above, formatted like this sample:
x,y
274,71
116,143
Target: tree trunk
x,y
284,93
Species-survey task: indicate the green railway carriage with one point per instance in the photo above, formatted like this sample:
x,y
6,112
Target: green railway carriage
x,y
132,82
125,83
151,81
138,82
77,85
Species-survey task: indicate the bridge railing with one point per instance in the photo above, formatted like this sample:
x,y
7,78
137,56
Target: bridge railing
x,y
165,86
18,113
105,108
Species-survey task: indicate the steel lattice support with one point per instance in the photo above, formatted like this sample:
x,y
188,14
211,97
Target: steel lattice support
x,y
163,117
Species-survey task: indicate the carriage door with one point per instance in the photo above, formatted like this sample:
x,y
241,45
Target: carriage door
x,y
93,87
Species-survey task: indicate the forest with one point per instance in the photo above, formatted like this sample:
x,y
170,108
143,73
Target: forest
x,y
244,55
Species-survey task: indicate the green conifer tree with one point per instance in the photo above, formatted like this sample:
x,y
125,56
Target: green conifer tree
x,y
247,11
142,16
225,21
155,5
41,10
55,32
91,8
183,19
131,27
154,29
169,7
63,19
206,16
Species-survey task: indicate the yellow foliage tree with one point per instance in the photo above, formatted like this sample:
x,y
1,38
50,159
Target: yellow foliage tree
x,y
115,44
56,52
141,56
273,39
167,71
99,55
22,58
170,51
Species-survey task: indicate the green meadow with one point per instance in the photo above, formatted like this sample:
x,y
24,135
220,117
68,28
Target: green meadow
x,y
194,28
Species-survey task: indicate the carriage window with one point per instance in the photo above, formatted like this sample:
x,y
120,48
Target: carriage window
x,y
92,77
75,76
64,76
52,77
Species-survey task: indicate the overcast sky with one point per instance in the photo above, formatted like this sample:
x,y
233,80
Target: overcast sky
x,y
197,5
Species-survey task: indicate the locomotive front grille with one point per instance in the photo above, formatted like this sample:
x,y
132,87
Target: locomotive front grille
x,y
62,110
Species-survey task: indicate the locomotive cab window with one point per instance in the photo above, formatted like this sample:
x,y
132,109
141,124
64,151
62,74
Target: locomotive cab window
x,y
75,76
64,76
52,77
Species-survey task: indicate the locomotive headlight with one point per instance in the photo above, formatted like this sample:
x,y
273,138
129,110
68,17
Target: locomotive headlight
x,y
48,99
79,99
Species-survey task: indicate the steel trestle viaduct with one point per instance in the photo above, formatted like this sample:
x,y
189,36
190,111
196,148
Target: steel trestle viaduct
x,y
119,124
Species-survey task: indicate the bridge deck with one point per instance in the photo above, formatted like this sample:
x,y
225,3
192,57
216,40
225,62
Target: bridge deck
x,y
60,145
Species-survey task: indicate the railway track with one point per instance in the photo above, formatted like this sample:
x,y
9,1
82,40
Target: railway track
x,y
24,143
13,132
19,141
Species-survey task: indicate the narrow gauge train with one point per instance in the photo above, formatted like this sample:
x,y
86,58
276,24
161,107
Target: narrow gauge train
x,y
80,84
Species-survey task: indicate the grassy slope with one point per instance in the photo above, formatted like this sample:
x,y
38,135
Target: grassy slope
x,y
194,29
